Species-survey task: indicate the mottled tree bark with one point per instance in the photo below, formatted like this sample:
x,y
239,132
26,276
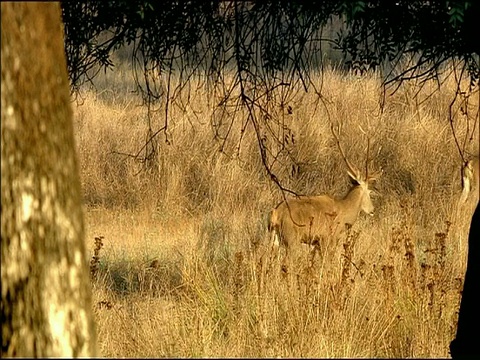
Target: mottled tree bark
x,y
46,294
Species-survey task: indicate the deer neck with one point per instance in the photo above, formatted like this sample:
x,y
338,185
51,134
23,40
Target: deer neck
x,y
351,204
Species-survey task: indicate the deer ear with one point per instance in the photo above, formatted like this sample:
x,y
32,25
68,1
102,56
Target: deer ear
x,y
353,178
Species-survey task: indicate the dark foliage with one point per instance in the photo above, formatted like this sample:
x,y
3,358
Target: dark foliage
x,y
274,36
271,49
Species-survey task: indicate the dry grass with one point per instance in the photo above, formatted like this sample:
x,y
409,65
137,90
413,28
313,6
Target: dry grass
x,y
176,250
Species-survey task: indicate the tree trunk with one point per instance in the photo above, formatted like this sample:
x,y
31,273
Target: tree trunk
x,y
466,344
46,294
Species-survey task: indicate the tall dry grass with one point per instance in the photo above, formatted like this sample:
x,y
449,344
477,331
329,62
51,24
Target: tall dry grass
x,y
175,250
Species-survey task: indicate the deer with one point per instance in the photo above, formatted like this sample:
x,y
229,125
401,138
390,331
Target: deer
x,y
314,220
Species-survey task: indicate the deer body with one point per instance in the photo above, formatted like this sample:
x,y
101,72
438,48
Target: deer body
x,y
316,220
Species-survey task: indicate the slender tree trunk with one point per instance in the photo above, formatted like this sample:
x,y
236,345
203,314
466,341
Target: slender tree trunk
x,y
466,344
46,295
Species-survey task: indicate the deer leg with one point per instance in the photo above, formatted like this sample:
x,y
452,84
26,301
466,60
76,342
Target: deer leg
x,y
314,249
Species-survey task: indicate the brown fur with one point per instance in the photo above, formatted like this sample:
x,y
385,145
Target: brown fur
x,y
316,219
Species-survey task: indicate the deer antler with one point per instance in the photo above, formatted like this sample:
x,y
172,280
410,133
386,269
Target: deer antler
x,y
352,168
367,160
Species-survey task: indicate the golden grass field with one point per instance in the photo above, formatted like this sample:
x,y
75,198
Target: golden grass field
x,y
176,273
